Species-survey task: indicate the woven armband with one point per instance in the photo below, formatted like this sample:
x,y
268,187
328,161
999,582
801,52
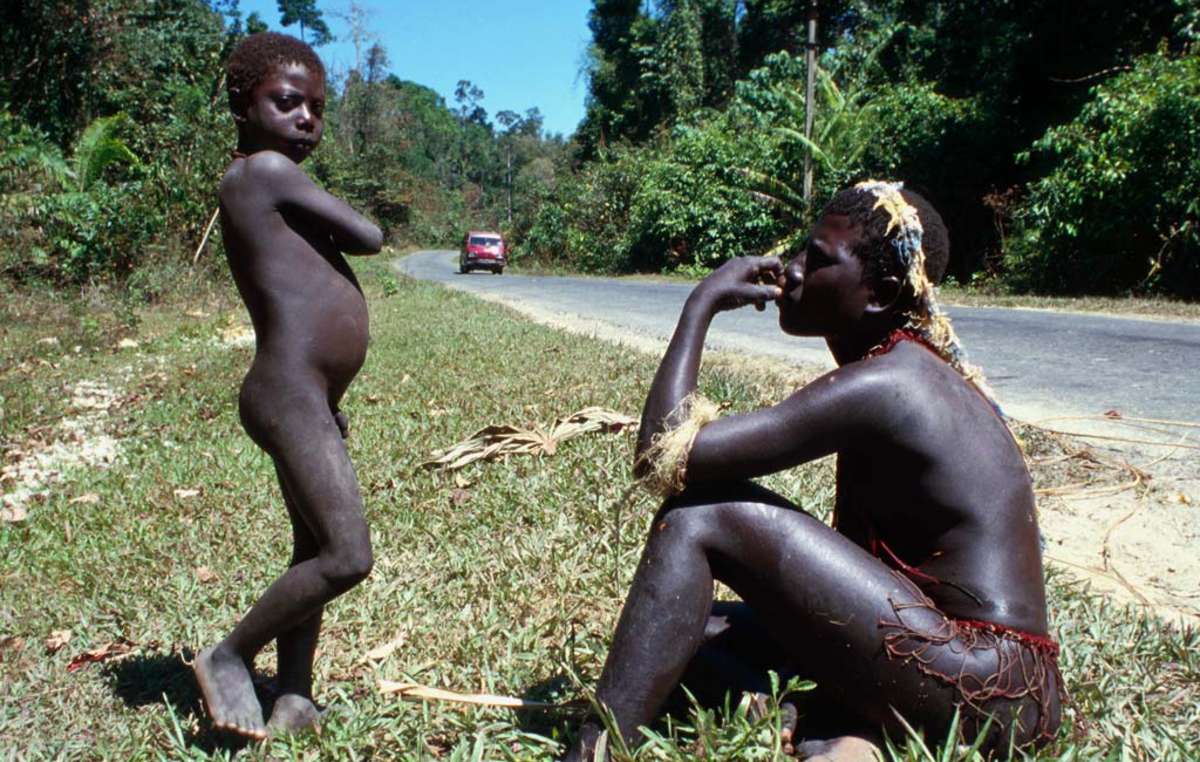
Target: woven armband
x,y
667,456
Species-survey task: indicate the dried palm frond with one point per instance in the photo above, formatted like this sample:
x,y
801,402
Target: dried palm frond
x,y
492,442
427,693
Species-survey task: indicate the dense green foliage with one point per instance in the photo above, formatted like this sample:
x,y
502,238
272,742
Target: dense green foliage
x,y
1057,138
1120,204
114,132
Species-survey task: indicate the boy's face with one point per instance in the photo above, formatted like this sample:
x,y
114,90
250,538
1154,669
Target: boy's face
x,y
286,112
823,287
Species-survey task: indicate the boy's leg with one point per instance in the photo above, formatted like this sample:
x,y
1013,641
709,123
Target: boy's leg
x,y
812,588
294,707
313,461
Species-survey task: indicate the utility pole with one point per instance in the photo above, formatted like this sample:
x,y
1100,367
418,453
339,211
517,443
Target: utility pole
x,y
809,94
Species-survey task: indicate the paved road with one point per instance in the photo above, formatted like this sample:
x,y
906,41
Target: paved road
x,y
1040,363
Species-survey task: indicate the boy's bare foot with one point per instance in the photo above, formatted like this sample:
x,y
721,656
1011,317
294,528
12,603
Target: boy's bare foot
x,y
841,749
584,749
293,713
229,693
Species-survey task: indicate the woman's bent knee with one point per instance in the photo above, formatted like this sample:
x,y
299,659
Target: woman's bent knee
x,y
682,524
697,522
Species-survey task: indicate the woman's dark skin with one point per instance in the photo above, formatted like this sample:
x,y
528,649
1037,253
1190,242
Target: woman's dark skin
x,y
285,238
922,458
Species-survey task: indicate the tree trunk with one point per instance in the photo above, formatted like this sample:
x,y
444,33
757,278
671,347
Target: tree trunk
x,y
809,93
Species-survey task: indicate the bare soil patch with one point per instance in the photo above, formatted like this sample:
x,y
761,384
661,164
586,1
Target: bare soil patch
x,y
33,465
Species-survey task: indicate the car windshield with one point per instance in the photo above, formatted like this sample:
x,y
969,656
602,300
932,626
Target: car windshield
x,y
480,240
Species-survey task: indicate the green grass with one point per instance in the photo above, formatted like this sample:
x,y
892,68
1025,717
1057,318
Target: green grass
x,y
1160,308
505,577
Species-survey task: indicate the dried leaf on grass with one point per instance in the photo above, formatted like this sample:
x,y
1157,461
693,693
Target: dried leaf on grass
x,y
184,494
426,693
494,442
11,643
57,639
379,653
117,648
1066,467
13,514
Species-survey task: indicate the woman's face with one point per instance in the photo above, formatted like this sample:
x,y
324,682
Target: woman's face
x,y
823,287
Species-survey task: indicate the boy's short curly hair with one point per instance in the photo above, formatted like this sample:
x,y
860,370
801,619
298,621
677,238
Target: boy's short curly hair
x,y
879,259
256,56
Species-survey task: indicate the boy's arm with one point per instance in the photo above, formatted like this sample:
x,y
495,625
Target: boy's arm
x,y
294,190
733,285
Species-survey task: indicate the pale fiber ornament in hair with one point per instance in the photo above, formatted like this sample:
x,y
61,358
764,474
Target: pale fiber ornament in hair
x,y
926,317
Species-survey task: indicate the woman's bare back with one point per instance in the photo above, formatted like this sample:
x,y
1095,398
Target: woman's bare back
x,y
946,497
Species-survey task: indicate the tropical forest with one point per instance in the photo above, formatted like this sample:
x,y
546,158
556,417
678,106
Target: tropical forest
x,y
1060,140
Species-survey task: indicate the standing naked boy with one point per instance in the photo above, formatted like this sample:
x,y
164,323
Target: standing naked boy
x,y
285,238
927,596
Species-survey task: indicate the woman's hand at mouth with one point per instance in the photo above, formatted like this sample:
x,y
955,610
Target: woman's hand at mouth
x,y
791,279
741,281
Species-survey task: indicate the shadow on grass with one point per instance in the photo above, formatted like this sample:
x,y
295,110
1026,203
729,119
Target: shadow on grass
x,y
545,722
157,678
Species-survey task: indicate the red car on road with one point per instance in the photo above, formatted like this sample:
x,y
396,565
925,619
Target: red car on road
x,y
482,250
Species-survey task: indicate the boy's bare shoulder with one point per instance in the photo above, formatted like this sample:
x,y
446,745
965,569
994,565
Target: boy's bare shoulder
x,y
263,170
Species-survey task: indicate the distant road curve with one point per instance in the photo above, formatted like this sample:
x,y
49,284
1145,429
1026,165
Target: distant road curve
x,y
1041,363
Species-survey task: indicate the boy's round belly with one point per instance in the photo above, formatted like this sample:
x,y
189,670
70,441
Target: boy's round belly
x,y
343,346
340,337
328,338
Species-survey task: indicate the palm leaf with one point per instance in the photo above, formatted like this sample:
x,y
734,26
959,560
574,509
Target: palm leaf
x,y
38,159
773,188
765,199
830,91
816,150
785,244
98,147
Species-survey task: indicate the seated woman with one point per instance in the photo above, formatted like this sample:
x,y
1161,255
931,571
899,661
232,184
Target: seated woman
x,y
927,596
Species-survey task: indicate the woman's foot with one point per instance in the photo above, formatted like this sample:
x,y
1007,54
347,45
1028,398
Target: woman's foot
x,y
584,749
228,691
789,716
840,749
292,714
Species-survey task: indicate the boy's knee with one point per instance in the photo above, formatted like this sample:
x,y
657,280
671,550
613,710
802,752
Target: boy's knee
x,y
349,565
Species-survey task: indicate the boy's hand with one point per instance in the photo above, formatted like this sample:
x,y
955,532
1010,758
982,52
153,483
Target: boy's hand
x,y
741,281
343,423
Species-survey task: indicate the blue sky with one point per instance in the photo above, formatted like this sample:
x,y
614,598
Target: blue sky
x,y
521,53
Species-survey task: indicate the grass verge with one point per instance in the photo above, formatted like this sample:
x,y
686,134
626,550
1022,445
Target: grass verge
x,y
1153,308
504,577
1127,306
